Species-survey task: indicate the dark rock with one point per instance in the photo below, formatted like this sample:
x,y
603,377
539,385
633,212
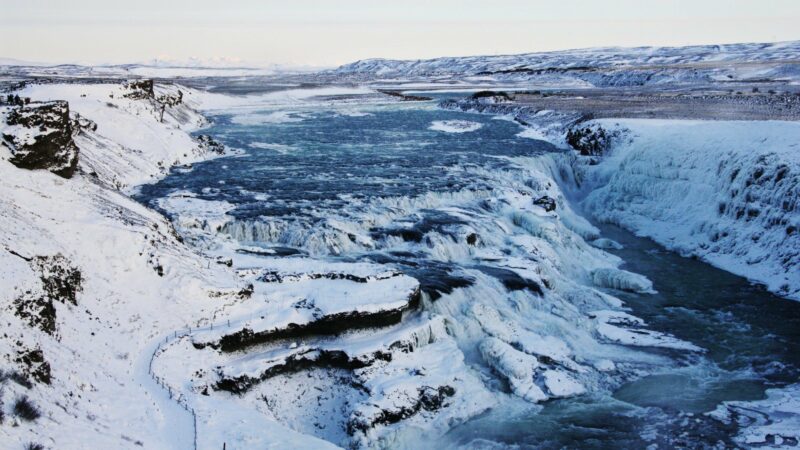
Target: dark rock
x,y
52,147
590,141
325,325
494,95
404,97
60,282
34,365
295,363
472,239
139,90
548,203
511,280
210,145
430,399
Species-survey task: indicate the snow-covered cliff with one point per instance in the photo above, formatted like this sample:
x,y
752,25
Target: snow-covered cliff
x,y
726,192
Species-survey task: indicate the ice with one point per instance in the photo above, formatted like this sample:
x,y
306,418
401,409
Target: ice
x,y
770,423
622,280
515,366
454,126
721,191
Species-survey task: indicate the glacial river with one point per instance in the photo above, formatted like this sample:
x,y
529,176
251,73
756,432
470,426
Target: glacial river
x,y
339,181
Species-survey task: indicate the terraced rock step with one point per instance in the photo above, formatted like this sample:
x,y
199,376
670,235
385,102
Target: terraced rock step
x,y
318,303
350,353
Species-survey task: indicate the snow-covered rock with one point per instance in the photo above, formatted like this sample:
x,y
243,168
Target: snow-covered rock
x,y
39,136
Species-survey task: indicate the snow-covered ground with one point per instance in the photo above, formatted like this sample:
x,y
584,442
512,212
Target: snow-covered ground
x,y
613,66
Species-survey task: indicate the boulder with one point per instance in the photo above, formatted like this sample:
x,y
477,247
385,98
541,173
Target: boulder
x,y
39,136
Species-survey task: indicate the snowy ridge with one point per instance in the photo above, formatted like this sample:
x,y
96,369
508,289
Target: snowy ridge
x,y
593,66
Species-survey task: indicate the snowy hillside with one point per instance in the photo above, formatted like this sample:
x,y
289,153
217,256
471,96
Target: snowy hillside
x,y
93,281
615,66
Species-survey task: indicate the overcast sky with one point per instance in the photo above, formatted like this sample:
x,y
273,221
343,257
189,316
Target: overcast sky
x,y
326,33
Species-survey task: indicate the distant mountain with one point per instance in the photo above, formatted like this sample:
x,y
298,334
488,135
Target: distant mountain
x,y
570,60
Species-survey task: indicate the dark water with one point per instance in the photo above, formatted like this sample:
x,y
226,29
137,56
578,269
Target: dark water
x,y
325,160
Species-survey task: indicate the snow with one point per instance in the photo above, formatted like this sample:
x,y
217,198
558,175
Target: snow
x,y
454,126
614,66
622,280
725,192
131,146
770,423
140,284
623,328
516,366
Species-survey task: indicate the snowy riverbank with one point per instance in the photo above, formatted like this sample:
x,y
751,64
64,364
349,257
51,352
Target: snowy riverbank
x,y
726,192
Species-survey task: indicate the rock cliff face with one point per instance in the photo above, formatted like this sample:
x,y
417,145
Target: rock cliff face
x,y
39,136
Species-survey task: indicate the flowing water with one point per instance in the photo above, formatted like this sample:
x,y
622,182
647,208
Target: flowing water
x,y
753,343
308,174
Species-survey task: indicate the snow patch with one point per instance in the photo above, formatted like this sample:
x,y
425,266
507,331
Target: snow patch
x,y
454,126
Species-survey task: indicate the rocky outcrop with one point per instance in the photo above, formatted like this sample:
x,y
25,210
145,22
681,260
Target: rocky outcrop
x,y
59,282
303,360
404,97
548,203
428,399
492,96
210,145
39,136
139,90
324,325
590,140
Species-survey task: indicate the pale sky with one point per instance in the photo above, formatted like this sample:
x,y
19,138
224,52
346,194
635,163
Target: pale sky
x,y
328,33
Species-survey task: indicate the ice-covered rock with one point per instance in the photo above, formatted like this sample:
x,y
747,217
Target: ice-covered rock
x,y
770,423
622,280
517,367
